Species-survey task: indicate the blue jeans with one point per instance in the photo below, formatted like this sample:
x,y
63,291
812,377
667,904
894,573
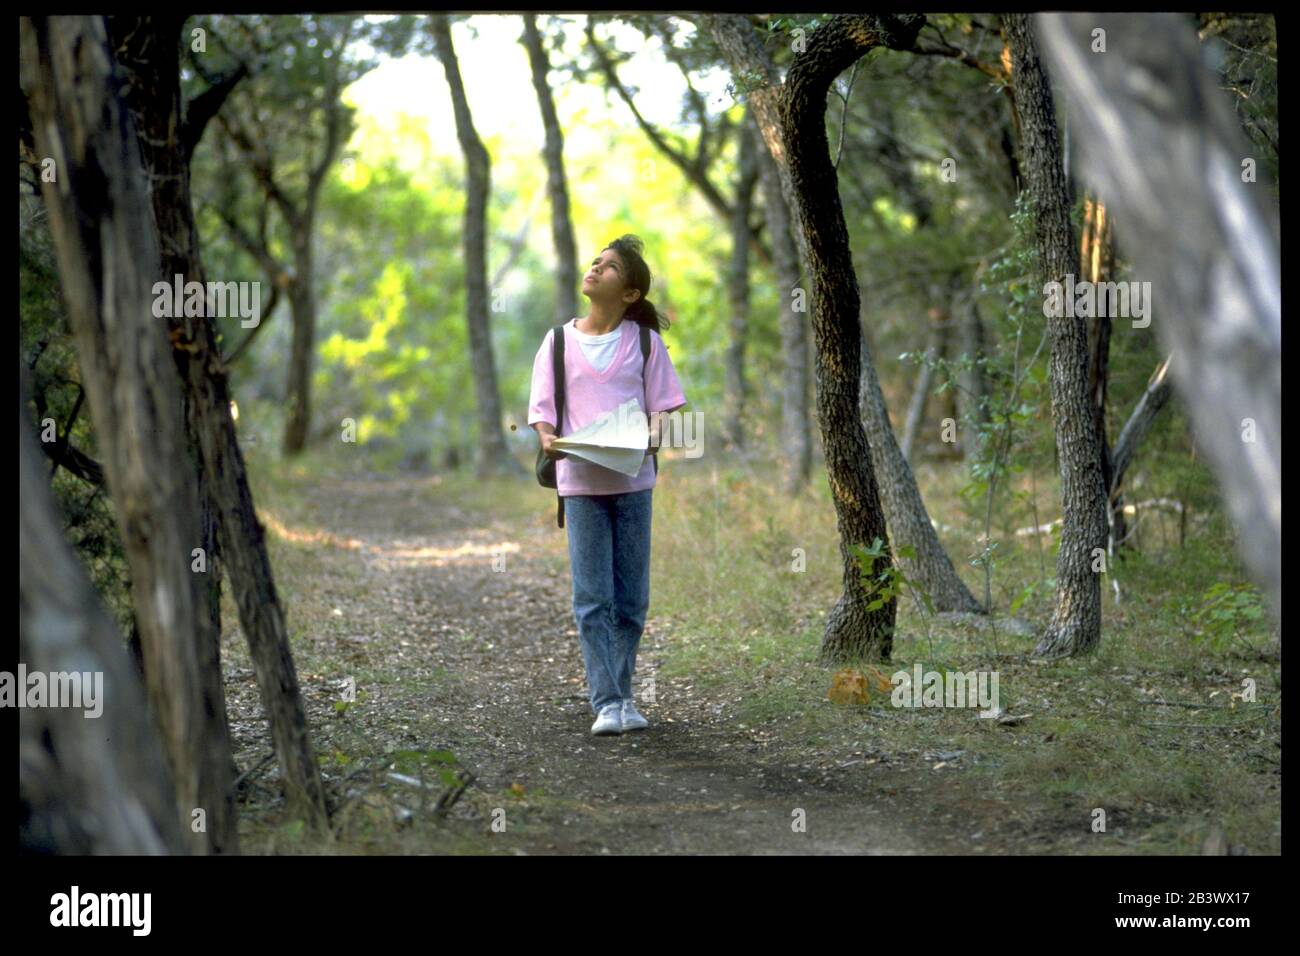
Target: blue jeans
x,y
609,553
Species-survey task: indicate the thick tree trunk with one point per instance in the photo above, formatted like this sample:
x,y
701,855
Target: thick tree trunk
x,y
736,393
906,514
492,454
108,262
86,785
796,429
148,50
1160,141
229,498
1075,625
566,256
792,118
908,520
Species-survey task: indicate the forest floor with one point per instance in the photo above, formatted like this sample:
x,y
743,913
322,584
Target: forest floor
x,y
446,606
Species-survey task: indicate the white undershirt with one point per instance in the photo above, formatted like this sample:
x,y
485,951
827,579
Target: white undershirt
x,y
599,349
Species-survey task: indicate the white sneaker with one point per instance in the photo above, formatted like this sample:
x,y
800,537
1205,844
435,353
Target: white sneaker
x,y
609,721
632,719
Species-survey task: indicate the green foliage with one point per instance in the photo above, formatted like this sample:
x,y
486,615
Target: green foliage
x,y
891,581
1035,589
418,763
343,706
1225,613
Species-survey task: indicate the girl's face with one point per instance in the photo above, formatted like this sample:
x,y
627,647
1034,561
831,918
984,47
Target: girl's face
x,y
606,280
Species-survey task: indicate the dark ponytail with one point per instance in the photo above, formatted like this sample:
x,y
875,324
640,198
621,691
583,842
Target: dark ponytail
x,y
642,311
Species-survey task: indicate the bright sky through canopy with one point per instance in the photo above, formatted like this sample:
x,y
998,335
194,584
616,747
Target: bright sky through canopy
x,y
499,86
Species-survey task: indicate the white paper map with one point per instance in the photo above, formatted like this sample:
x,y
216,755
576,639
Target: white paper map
x,y
616,440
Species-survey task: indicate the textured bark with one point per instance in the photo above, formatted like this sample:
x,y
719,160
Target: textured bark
x,y
796,428
491,453
144,45
909,522
1139,423
792,118
148,51
736,393
108,259
1160,141
905,512
566,255
1075,625
1097,257
85,785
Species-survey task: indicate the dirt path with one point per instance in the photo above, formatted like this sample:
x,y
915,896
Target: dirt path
x,y
455,655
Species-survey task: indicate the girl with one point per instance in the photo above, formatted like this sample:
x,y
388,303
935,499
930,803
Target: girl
x,y
607,514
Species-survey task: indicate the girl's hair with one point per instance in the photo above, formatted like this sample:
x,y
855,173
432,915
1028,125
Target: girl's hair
x,y
642,311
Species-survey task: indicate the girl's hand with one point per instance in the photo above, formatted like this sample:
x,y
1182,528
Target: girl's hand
x,y
548,449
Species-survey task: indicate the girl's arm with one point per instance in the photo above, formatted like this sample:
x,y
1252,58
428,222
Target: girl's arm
x,y
654,427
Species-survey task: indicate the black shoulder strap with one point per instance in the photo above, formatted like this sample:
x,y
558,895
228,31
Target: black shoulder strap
x,y
645,360
557,366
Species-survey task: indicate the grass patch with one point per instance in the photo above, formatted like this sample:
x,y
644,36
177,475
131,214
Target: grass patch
x,y
1147,727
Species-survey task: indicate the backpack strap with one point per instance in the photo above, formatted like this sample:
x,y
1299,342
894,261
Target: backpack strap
x,y
645,360
557,367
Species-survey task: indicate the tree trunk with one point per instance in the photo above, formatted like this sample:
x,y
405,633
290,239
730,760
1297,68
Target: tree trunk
x,y
492,454
942,314
1075,625
205,382
905,512
736,397
108,261
916,407
904,509
566,256
939,338
792,119
302,306
1160,141
148,50
1096,255
1139,423
796,429
85,785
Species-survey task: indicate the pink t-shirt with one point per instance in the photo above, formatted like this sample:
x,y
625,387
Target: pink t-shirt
x,y
588,394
